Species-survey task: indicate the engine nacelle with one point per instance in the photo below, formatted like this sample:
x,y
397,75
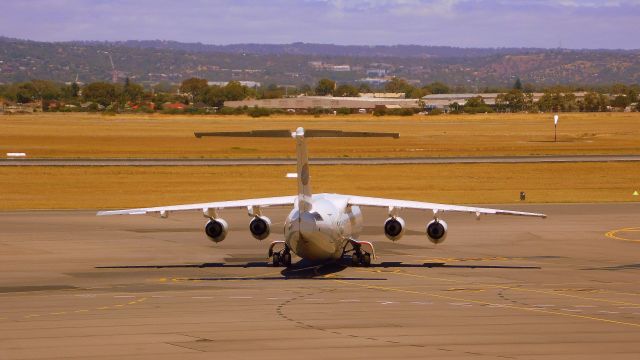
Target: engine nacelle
x,y
437,231
216,230
260,227
394,228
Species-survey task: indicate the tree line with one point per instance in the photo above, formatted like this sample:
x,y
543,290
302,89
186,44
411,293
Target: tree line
x,y
197,93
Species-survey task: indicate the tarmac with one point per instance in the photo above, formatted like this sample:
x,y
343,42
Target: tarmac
x,y
73,285
321,161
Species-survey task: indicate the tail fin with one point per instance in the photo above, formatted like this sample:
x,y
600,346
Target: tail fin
x,y
304,186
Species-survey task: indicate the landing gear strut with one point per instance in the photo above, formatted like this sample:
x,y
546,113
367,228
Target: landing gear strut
x,y
282,257
360,257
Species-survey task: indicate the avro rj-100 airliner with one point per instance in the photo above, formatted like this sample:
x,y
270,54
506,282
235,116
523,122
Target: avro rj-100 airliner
x,y
320,227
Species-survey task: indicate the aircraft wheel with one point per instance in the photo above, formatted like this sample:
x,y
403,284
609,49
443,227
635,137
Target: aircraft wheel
x,y
366,259
276,259
355,259
286,259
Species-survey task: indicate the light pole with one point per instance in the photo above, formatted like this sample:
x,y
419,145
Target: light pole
x,y
555,126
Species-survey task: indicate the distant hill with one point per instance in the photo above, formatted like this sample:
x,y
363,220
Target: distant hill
x,y
399,51
302,63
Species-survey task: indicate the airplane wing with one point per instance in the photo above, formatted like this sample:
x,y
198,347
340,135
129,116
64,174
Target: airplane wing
x,y
235,204
436,208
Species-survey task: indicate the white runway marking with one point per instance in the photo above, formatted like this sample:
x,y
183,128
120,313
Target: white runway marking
x,y
386,302
608,312
349,300
421,303
572,310
461,304
240,297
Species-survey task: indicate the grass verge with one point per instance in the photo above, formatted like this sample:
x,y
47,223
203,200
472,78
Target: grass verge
x,y
24,188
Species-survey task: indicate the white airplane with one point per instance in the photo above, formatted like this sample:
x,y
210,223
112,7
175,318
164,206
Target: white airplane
x,y
320,227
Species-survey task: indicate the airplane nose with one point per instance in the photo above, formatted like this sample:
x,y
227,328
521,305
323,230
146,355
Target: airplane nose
x,y
307,225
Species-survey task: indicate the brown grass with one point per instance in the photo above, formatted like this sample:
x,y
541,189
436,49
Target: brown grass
x,y
158,136
118,187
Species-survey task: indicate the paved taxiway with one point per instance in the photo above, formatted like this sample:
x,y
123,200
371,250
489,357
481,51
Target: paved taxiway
x,y
323,161
75,285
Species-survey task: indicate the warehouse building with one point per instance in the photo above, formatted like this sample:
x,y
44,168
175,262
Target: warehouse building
x,y
444,101
327,102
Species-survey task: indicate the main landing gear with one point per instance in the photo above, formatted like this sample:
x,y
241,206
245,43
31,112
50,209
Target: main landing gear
x,y
282,257
360,257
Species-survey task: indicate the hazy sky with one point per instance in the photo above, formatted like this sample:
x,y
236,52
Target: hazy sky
x,y
467,23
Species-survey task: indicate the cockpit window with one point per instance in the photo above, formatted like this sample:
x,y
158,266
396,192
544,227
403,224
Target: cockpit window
x,y
317,216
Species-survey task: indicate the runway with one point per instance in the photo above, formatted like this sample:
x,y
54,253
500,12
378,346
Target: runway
x,y
322,161
73,285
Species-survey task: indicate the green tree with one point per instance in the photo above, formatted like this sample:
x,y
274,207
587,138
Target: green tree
x,y
235,91
214,96
306,89
437,88
132,92
517,85
325,87
46,90
476,105
594,102
513,101
100,92
272,92
364,88
621,101
25,93
557,99
346,90
75,90
398,85
195,88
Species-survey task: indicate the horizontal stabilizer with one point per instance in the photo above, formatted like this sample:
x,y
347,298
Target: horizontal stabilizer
x,y
307,134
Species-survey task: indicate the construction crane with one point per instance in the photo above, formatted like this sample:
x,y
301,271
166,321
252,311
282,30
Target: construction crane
x,y
114,72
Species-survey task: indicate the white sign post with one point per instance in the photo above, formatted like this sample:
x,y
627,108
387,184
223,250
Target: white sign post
x,y
555,125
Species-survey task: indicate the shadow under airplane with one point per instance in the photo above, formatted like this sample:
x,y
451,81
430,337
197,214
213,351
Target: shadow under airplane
x,y
307,270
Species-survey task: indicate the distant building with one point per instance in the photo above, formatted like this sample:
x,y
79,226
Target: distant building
x,y
340,68
376,73
384,95
374,81
443,101
326,102
174,106
249,84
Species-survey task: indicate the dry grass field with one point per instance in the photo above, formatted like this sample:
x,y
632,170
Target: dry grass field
x,y
170,136
116,187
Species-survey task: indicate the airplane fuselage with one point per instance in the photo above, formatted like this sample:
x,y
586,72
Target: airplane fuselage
x,y
323,232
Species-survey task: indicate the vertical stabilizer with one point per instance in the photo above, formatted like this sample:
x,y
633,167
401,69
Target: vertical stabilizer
x,y
304,186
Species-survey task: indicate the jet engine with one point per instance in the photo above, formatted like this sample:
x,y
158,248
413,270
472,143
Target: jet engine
x,y
216,230
437,231
394,228
260,227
